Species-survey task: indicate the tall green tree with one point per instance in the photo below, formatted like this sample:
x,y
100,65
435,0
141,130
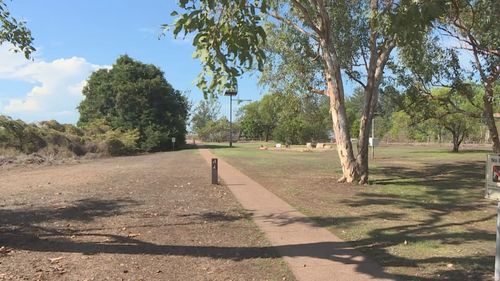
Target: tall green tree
x,y
288,118
474,24
468,28
135,96
269,107
340,35
434,110
207,110
15,32
215,130
250,121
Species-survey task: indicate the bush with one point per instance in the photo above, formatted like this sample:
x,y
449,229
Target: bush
x,y
31,140
73,130
115,147
48,138
52,124
119,143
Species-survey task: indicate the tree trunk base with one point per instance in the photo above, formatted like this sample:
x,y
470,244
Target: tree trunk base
x,y
342,180
363,180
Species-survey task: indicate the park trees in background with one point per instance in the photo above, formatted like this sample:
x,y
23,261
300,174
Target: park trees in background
x,y
351,37
207,123
433,112
250,123
134,98
473,25
461,54
216,130
207,110
286,118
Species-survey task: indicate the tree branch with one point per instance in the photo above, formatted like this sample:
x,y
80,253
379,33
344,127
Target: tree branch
x,y
351,76
306,16
293,25
317,91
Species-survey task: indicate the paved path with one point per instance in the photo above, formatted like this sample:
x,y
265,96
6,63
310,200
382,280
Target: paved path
x,y
312,252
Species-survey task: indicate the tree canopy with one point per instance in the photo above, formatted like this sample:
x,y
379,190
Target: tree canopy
x,y
135,96
290,119
323,39
461,53
206,111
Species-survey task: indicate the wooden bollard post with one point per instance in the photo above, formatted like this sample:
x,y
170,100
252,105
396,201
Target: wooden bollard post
x,y
215,171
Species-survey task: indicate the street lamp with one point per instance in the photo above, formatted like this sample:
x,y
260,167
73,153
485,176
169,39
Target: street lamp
x,y
231,94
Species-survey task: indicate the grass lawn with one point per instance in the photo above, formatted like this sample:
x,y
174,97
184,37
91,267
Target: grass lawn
x,y
423,217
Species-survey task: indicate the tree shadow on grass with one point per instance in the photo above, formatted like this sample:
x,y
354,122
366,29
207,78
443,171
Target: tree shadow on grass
x,y
29,233
26,229
446,181
19,225
450,199
441,175
81,210
77,241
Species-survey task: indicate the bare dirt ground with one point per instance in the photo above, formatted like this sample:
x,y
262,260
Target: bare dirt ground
x,y
152,217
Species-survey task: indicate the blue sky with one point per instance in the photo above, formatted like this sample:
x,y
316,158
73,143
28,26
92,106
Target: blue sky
x,y
74,38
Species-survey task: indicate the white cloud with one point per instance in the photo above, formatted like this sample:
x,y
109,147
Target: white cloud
x,y
23,106
56,86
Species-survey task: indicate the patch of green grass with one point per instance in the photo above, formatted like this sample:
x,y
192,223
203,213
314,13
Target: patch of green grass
x,y
429,197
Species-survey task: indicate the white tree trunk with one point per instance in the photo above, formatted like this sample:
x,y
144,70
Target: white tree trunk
x,y
335,91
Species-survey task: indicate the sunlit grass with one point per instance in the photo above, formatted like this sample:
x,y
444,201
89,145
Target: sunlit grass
x,y
423,216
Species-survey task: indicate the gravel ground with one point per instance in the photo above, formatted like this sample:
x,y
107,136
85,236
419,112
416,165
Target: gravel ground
x,y
150,217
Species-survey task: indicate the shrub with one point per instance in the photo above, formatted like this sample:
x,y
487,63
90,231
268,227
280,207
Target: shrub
x,y
120,143
52,124
31,140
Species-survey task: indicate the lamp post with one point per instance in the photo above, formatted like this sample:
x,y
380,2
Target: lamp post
x,y
231,94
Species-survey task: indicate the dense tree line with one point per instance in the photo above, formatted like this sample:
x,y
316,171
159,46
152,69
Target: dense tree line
x,y
292,120
208,124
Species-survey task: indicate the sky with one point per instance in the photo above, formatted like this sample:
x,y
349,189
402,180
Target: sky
x,y
75,38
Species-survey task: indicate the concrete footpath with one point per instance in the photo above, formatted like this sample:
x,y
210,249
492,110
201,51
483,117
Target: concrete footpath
x,y
312,252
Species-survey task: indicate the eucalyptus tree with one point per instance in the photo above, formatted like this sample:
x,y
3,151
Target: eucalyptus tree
x,y
207,110
434,109
473,25
15,32
351,37
250,121
462,54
